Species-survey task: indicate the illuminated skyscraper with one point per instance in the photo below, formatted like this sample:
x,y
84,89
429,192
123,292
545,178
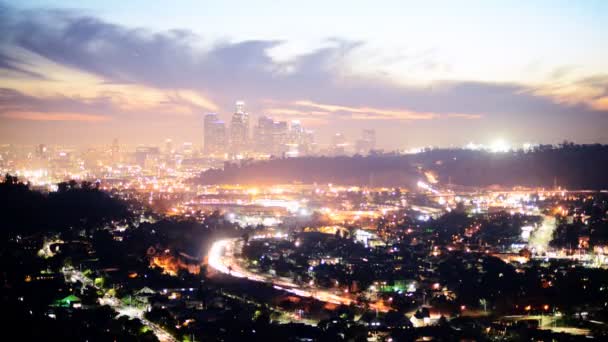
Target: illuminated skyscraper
x,y
367,142
300,140
115,151
240,107
214,135
280,137
41,151
168,146
264,135
339,144
239,130
146,156
188,149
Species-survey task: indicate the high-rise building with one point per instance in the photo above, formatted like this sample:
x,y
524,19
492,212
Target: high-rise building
x,y
367,142
300,140
169,146
296,132
264,135
188,149
115,151
339,144
239,130
282,139
240,107
214,135
308,143
146,156
41,151
370,136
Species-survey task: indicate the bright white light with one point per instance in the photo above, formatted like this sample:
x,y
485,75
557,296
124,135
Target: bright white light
x,y
424,218
472,146
500,146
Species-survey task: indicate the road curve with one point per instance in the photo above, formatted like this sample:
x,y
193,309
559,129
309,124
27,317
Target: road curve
x,y
221,258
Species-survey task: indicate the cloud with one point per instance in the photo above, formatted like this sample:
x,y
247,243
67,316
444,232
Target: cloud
x,y
591,92
124,101
464,116
562,72
179,72
11,66
54,116
368,112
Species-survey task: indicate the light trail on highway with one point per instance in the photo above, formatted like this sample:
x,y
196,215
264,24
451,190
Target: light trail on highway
x,y
221,258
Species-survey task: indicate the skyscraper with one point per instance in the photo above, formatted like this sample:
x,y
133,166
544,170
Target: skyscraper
x,y
115,151
280,137
367,141
239,129
214,135
168,146
264,135
188,149
339,144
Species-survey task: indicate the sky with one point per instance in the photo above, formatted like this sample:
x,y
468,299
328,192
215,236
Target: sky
x,y
439,73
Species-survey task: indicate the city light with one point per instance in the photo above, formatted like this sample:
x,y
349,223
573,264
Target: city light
x,y
499,146
180,171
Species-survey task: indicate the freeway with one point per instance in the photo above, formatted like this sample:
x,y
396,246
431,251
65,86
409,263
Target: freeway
x,y
221,258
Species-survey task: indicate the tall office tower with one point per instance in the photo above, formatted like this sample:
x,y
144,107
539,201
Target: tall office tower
x,y
147,156
339,144
115,151
295,144
281,138
308,143
42,156
296,132
240,107
370,136
264,135
214,135
367,141
41,151
188,149
239,129
168,146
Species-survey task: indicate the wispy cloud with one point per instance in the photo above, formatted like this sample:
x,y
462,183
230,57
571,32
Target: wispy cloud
x,y
154,74
54,116
464,116
369,111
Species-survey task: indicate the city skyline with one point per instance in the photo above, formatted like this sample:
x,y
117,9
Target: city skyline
x,y
83,74
344,170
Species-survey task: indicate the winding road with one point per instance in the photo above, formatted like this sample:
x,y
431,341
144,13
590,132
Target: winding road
x,y
221,258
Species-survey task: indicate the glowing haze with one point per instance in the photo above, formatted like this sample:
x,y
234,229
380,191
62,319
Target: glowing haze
x,y
442,73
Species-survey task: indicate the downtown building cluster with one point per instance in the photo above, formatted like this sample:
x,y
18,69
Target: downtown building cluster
x,y
268,137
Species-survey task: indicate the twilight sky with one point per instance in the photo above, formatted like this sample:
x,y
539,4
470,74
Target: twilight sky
x,y
421,73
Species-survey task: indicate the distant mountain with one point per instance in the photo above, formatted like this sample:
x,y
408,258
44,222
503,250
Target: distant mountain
x,y
571,166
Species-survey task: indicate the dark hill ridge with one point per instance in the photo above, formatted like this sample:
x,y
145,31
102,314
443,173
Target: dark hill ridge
x,y
376,170
570,166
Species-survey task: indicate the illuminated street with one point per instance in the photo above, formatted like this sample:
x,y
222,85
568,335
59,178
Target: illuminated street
x,y
130,311
221,258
